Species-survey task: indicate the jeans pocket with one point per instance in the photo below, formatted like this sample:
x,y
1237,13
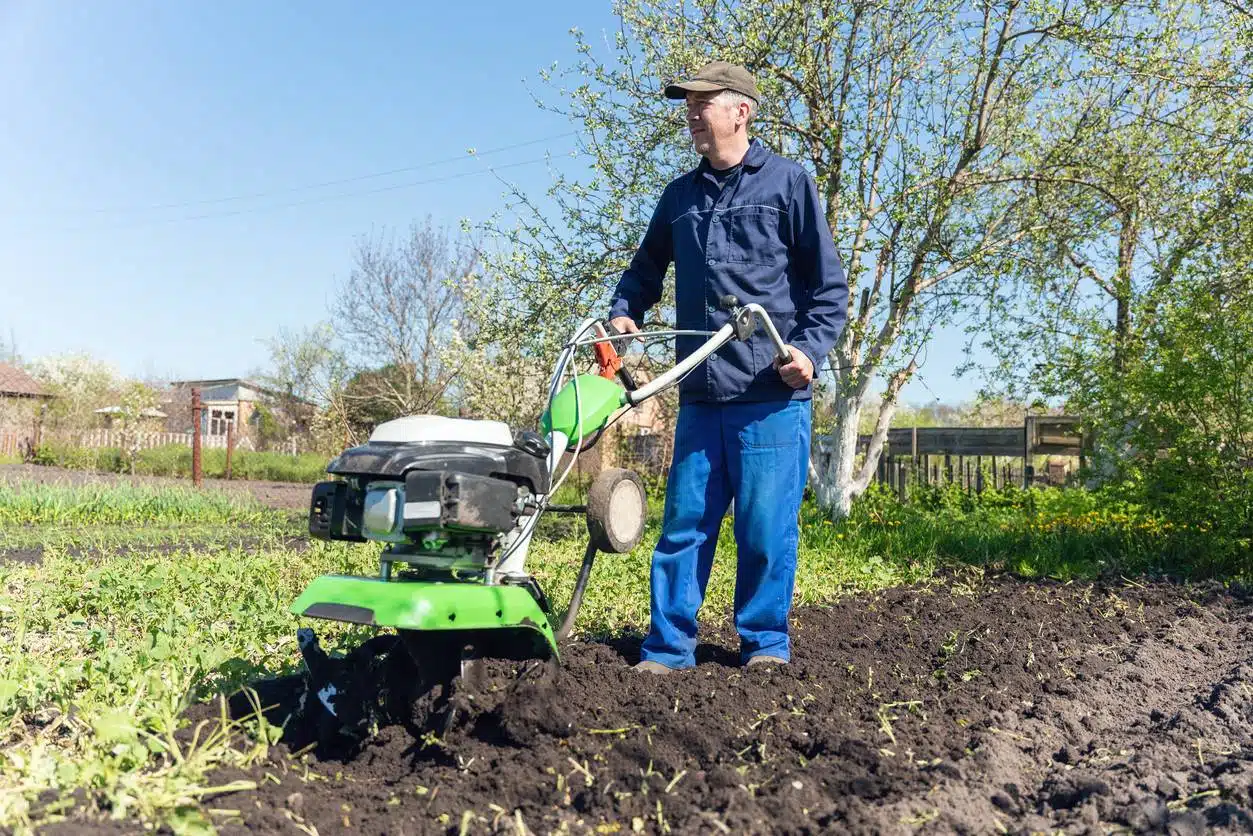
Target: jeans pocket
x,y
772,425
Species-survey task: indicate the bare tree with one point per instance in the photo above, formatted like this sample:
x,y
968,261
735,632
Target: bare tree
x,y
308,374
397,310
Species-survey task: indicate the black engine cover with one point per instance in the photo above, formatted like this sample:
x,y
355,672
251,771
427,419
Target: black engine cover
x,y
525,463
442,499
457,486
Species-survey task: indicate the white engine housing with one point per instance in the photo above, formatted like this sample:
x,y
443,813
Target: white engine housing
x,y
438,428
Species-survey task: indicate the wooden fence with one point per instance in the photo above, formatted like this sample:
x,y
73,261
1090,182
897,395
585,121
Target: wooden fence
x,y
145,440
12,443
975,458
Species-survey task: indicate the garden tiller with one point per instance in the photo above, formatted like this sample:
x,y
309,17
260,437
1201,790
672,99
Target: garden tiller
x,y
455,503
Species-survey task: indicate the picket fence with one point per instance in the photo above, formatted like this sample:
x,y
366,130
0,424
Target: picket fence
x,y
11,443
148,440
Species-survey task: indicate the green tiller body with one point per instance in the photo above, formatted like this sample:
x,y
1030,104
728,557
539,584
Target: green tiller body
x,y
454,503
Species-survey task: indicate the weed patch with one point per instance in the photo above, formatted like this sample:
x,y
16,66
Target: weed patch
x,y
34,504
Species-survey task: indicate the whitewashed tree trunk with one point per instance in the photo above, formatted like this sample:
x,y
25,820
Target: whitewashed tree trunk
x,y
839,488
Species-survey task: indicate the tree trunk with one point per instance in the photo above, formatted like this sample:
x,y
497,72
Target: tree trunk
x,y
1127,239
838,486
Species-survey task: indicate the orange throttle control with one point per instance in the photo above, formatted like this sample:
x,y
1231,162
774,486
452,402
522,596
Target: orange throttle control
x,y
608,360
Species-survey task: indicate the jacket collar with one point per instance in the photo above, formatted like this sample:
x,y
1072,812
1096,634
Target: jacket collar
x,y
755,158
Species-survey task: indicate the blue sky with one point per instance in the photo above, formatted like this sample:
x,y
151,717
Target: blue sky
x,y
123,124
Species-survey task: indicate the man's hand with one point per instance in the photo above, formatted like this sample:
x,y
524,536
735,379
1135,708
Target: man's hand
x,y
625,325
798,372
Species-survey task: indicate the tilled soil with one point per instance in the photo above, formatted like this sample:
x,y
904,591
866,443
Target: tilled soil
x,y
975,705
274,494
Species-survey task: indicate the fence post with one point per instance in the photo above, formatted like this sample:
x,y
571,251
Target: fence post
x,y
913,452
1028,428
902,492
197,477
230,447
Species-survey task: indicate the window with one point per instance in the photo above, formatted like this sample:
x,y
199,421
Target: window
x,y
219,420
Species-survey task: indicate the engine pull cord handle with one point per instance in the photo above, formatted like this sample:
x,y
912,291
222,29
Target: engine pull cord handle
x,y
744,322
608,360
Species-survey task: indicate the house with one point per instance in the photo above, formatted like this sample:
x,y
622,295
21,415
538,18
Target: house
x,y
226,402
22,400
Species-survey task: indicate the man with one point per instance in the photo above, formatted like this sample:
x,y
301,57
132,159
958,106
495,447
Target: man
x,y
749,223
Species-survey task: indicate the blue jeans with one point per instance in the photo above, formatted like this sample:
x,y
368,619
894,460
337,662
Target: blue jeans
x,y
758,455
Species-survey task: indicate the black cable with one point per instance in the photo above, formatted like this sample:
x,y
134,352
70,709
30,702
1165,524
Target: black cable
x,y
339,182
312,201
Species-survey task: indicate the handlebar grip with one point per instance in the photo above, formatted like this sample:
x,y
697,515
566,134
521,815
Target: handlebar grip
x,y
627,380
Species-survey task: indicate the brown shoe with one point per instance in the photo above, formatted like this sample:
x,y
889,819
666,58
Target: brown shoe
x,y
652,667
764,659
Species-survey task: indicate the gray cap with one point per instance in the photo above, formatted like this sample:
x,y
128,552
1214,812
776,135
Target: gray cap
x,y
716,75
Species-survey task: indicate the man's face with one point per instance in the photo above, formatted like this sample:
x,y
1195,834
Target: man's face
x,y
711,124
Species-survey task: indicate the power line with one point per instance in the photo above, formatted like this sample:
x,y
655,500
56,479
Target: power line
x,y
324,199
309,187
918,375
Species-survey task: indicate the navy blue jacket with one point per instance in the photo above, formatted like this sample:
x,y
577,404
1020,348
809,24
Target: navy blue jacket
x,y
762,237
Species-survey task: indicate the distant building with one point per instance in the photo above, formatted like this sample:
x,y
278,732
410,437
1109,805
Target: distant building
x,y
22,400
21,397
227,402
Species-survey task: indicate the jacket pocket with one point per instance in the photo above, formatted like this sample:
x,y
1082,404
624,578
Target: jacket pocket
x,y
753,234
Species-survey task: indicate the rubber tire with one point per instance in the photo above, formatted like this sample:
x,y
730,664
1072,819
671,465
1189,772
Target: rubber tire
x,y
599,511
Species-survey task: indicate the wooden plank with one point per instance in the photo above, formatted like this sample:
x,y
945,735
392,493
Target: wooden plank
x,y
1055,435
959,441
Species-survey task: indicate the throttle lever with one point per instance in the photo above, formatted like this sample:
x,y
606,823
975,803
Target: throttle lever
x,y
610,361
743,320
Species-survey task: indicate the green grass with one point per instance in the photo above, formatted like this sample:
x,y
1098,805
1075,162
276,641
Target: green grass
x,y
175,460
129,537
114,504
1040,533
102,652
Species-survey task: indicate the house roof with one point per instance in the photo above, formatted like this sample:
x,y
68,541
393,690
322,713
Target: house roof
x,y
144,413
209,383
14,381
218,381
